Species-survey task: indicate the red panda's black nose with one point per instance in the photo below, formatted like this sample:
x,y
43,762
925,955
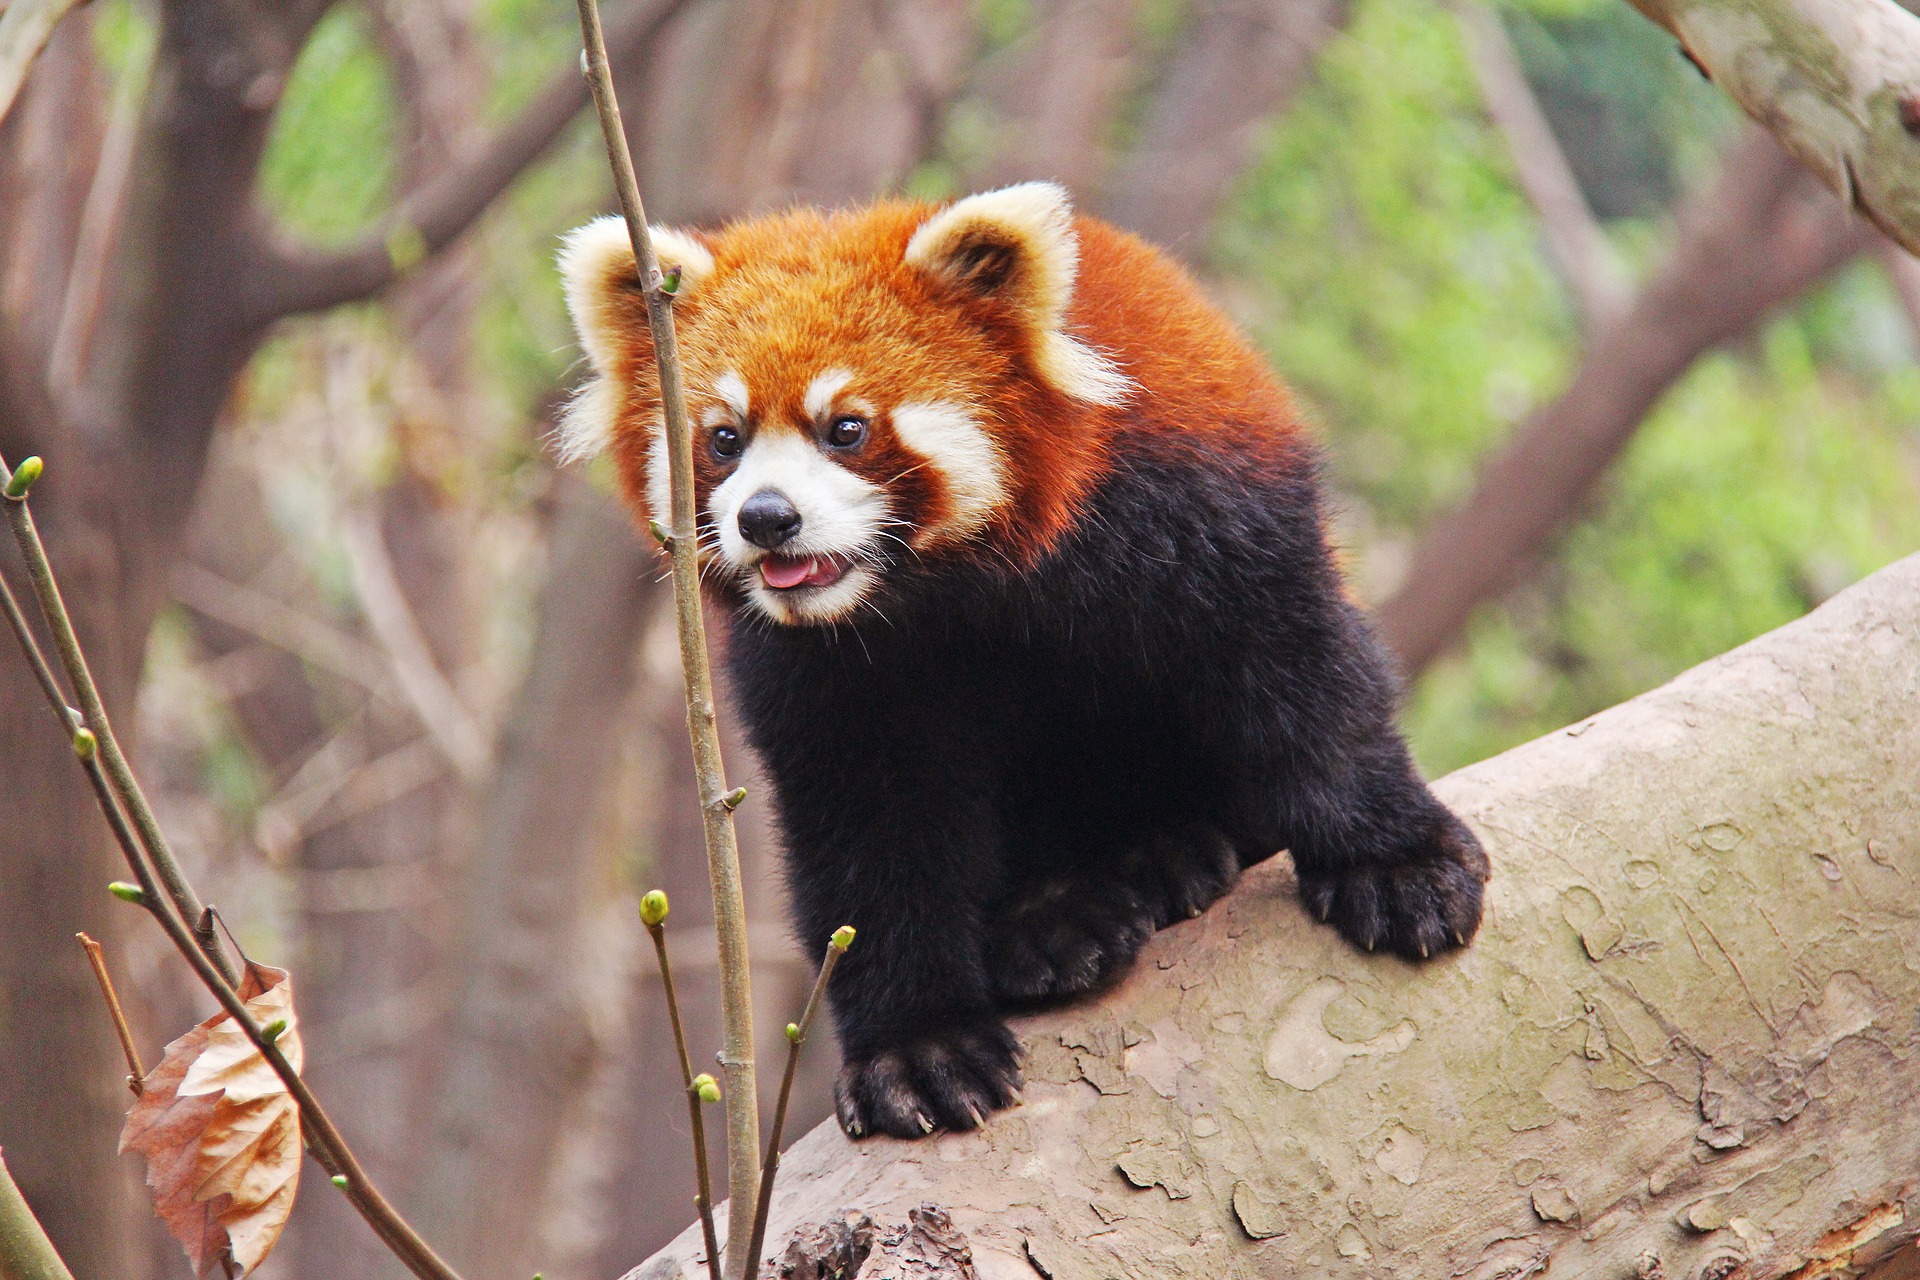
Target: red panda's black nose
x,y
768,520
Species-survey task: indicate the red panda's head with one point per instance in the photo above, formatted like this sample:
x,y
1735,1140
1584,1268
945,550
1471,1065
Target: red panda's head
x,y
866,388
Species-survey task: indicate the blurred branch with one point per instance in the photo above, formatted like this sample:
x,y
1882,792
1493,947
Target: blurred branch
x,y
419,678
25,28
285,627
93,242
1238,63
295,279
1759,236
25,1251
1578,248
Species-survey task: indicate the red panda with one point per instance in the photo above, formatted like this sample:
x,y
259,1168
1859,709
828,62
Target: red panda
x,y
1035,624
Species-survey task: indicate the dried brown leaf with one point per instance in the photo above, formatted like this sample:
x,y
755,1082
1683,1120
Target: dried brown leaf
x,y
221,1134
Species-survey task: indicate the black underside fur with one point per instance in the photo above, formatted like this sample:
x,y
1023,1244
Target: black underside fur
x,y
1006,781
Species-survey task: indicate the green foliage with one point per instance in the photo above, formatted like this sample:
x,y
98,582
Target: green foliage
x,y
329,166
1389,265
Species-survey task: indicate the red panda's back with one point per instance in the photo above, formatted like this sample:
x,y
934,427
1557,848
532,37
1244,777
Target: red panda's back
x,y
1197,374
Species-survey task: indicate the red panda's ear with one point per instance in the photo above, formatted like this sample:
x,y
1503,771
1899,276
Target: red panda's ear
x,y
610,315
1018,246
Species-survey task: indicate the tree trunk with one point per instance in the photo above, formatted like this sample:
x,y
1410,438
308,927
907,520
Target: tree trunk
x,y
1683,1045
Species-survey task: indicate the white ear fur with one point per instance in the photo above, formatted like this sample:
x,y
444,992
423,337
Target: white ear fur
x,y
1035,221
596,268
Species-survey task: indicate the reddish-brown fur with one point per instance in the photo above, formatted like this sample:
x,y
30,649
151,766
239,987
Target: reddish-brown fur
x,y
799,292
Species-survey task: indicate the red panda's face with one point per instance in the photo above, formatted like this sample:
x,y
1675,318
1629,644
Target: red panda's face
x,y
864,388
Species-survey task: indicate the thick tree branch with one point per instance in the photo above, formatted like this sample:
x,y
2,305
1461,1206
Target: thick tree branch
x,y
1759,237
1837,81
1683,1044
294,280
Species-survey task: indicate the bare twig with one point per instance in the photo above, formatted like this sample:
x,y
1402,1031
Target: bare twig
x,y
97,957
653,914
40,572
198,946
1577,246
723,853
25,28
796,1039
25,1251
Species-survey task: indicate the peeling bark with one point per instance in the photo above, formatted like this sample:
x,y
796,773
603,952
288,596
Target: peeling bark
x,y
1684,1044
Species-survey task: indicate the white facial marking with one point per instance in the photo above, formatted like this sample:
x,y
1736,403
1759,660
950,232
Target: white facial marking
x,y
840,515
822,390
659,480
732,388
967,458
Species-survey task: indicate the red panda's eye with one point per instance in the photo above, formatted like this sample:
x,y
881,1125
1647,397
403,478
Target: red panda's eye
x,y
725,442
846,431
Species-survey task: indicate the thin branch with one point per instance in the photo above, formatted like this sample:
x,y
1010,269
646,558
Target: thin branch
x,y
97,957
723,852
25,1251
796,1040
653,914
25,28
99,221
1579,249
285,627
40,572
415,671
92,743
295,279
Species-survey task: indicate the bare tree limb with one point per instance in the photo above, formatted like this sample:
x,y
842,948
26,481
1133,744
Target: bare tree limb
x,y
1836,81
293,280
1577,247
25,28
1236,65
1758,237
1683,1044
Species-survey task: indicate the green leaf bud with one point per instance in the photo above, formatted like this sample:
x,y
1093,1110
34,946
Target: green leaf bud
x,y
734,798
340,1181
128,892
272,1032
653,908
793,1033
85,745
23,477
707,1087
842,937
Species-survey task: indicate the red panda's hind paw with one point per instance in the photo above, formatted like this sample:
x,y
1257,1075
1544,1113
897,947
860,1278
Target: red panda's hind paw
x,y
1415,909
951,1079
1074,937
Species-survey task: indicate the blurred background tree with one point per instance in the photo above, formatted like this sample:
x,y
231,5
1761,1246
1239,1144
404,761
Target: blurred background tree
x,y
1601,398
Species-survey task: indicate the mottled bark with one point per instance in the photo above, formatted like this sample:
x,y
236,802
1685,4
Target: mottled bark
x,y
1683,1044
1836,81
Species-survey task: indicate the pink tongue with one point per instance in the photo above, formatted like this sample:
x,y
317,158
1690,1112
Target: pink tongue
x,y
781,574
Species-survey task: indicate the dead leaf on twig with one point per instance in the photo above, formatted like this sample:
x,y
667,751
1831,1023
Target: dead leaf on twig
x,y
221,1134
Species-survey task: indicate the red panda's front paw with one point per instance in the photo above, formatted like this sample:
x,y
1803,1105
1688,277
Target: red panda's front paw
x,y
950,1079
1415,909
1074,937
